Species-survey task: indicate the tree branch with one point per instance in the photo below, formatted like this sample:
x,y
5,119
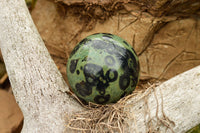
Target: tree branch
x,y
37,84
176,102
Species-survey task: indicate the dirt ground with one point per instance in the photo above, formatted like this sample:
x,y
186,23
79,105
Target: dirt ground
x,y
166,44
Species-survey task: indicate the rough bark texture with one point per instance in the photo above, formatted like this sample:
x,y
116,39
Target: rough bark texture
x,y
37,84
175,102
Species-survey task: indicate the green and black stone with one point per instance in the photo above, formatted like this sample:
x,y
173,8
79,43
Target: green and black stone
x,y
103,68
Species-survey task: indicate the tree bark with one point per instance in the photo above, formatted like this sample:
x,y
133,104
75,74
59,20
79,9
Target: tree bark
x,y
40,89
37,84
175,104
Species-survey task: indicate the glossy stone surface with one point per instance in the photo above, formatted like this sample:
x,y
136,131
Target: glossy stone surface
x,y
102,68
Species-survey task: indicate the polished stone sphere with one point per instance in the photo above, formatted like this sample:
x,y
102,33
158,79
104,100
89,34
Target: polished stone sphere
x,y
102,68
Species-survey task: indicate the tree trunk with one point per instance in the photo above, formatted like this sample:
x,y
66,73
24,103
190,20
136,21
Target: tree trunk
x,y
41,92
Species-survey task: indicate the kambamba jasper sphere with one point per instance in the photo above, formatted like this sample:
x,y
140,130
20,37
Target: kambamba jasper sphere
x,y
102,68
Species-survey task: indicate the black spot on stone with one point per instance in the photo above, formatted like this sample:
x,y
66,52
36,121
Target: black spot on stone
x,y
124,94
83,89
129,63
124,60
112,75
125,43
95,77
109,60
86,58
102,99
84,41
81,68
107,34
95,33
124,81
77,72
133,83
75,50
122,56
134,70
82,100
107,37
101,86
73,65
134,51
92,73
134,80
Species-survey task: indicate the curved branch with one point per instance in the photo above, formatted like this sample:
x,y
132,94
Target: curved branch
x,y
174,104
37,84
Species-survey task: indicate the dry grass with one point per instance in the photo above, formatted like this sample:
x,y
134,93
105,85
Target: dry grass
x,y
112,118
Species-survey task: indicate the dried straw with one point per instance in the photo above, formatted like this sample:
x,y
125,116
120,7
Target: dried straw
x,y
112,118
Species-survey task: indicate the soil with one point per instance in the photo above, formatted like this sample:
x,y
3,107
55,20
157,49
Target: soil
x,y
11,117
166,45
